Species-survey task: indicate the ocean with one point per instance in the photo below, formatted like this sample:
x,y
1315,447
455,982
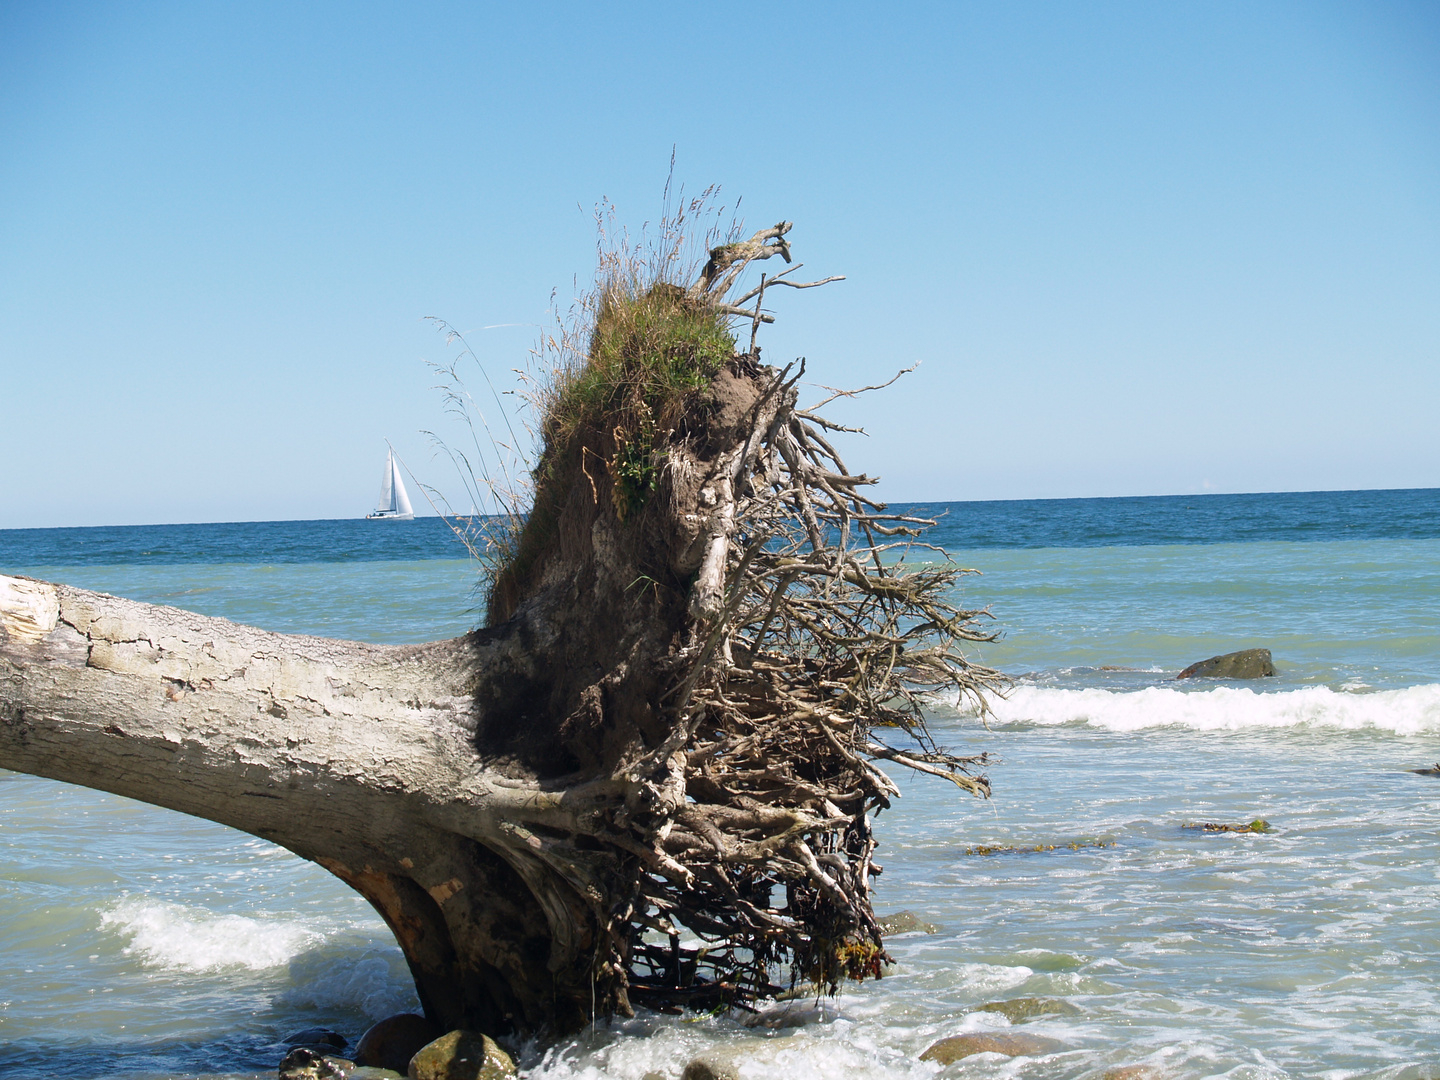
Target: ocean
x,y
140,943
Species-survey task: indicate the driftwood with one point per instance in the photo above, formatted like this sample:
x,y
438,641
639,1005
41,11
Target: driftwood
x,y
652,783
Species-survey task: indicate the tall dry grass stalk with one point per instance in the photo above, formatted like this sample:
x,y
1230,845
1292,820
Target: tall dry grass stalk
x,y
628,348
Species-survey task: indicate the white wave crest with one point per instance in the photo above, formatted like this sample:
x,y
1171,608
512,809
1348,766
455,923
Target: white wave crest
x,y
371,980
193,939
1411,711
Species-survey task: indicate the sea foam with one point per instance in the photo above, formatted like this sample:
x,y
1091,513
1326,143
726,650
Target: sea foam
x,y
1414,710
351,975
182,938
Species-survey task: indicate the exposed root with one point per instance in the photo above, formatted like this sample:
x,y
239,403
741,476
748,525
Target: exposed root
x,y
813,628
750,639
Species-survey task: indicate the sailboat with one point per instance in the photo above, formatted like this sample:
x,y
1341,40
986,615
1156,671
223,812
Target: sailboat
x,y
394,502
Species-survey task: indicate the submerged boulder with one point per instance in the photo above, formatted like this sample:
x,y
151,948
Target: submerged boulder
x,y
392,1042
756,1053
1011,1044
906,922
710,1069
1245,664
1259,825
318,1036
787,1014
461,1055
1017,1010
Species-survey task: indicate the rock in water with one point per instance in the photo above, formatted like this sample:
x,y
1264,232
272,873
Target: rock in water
x,y
988,1042
318,1036
302,1063
1245,664
755,1055
461,1055
1018,1010
701,1069
392,1042
906,922
790,1014
1259,825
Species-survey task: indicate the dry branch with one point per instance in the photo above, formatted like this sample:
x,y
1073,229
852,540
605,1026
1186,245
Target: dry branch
x,y
728,261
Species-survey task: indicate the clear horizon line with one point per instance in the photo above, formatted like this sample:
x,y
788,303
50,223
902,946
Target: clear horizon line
x,y
892,502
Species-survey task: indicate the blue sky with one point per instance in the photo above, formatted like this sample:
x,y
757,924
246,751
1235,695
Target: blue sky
x,y
1137,248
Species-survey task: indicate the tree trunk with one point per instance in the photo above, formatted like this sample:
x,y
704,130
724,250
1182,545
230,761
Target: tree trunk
x,y
359,757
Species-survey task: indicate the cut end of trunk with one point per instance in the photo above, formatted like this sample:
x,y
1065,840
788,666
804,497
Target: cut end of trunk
x,y
29,609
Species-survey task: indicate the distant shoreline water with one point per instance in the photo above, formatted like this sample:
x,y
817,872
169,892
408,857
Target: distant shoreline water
x,y
1121,521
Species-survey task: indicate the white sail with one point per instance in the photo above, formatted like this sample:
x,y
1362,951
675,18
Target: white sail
x,y
386,505
402,498
394,502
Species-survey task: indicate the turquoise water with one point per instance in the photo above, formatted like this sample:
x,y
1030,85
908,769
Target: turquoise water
x,y
139,943
1360,613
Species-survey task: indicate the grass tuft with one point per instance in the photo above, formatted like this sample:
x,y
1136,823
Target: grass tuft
x,y
616,379
611,411
650,352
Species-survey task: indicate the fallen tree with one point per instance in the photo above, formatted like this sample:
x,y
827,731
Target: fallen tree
x,y
667,733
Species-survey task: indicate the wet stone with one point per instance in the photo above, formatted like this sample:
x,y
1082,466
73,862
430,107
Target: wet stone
x,y
1018,1010
1259,825
392,1042
318,1036
701,1069
302,1063
461,1055
1011,1044
1245,664
788,1015
906,922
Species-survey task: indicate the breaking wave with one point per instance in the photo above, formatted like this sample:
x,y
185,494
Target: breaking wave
x,y
182,938
1414,710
